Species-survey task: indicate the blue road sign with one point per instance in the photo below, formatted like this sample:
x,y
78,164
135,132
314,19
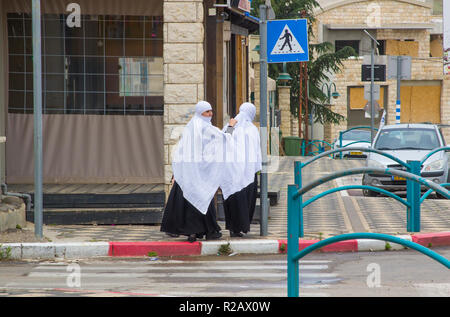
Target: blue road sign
x,y
287,41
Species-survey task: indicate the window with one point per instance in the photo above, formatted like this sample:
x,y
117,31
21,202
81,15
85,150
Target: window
x,y
437,7
109,65
407,139
341,44
381,47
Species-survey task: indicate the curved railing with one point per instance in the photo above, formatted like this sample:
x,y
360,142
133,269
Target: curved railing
x,y
413,188
424,196
355,142
362,149
375,189
426,157
341,133
296,205
374,170
293,267
318,144
374,236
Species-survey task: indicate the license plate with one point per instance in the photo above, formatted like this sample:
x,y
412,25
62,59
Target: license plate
x,y
355,153
398,178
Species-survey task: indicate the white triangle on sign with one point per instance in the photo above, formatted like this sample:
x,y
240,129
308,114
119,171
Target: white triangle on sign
x,y
287,44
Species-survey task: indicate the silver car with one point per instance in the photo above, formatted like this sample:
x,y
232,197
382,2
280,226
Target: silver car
x,y
408,142
353,139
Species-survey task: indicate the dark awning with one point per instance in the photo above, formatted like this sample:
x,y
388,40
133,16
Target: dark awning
x,y
243,20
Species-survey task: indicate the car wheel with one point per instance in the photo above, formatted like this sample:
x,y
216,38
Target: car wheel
x,y
369,193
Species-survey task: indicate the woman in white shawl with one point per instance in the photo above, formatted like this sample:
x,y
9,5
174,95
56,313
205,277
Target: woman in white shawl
x,y
197,172
239,189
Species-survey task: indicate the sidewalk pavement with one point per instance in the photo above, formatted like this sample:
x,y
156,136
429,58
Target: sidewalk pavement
x,y
338,213
63,248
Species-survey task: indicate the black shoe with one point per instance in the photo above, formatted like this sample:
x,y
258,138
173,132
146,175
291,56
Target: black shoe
x,y
173,235
192,238
213,236
199,236
236,234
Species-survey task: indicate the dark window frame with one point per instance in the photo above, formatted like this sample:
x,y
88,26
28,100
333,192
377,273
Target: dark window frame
x,y
339,44
77,69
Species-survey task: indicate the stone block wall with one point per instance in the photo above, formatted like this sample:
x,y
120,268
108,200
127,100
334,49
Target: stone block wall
x,y
383,13
422,69
184,70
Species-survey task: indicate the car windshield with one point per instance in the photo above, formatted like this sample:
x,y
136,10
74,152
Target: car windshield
x,y
407,139
357,135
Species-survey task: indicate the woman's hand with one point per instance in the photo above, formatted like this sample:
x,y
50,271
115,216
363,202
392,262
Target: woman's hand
x,y
232,122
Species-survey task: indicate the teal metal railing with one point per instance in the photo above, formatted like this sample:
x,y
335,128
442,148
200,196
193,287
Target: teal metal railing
x,y
341,133
319,145
412,203
293,267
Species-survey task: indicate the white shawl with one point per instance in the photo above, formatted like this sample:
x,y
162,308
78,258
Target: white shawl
x,y
198,160
241,172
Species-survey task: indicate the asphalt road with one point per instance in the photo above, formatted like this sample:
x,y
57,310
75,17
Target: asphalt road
x,y
404,273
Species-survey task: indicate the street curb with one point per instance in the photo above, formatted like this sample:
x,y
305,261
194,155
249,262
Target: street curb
x,y
78,250
50,250
158,248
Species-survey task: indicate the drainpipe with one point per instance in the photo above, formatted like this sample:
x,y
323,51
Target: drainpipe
x,y
26,197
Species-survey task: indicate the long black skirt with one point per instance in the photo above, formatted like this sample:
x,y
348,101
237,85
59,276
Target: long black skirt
x,y
240,207
182,218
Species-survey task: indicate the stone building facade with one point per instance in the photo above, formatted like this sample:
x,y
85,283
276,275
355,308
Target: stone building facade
x,y
119,88
403,27
183,69
205,58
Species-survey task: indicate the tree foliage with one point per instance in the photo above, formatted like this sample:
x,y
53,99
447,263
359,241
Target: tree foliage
x,y
323,60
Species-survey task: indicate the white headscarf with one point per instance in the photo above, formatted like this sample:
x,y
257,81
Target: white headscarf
x,y
241,172
198,160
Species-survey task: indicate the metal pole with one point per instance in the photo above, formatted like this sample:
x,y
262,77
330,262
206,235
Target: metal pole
x,y
372,108
37,88
300,100
398,107
305,76
263,117
298,183
293,208
413,197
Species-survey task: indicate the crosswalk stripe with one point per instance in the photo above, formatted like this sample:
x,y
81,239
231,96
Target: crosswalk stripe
x,y
433,289
188,268
237,262
199,277
154,285
184,274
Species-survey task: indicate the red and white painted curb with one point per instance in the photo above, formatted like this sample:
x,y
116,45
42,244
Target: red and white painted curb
x,y
79,250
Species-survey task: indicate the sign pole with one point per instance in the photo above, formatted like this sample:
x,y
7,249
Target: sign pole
x,y
37,88
263,118
372,108
300,101
305,73
398,104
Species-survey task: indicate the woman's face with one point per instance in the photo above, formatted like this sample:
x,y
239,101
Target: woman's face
x,y
207,113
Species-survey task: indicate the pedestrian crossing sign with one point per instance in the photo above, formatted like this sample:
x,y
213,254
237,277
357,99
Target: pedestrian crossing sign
x,y
287,41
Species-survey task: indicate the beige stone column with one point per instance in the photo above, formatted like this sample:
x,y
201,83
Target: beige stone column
x,y
284,102
183,70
